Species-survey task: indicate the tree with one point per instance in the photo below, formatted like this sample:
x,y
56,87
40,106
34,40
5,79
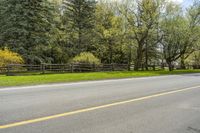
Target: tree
x,y
109,34
57,52
24,25
180,35
143,17
192,37
173,30
79,19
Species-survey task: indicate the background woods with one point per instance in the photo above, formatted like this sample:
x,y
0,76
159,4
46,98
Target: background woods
x,y
139,32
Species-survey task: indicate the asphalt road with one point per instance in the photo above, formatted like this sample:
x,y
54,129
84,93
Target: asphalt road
x,y
166,104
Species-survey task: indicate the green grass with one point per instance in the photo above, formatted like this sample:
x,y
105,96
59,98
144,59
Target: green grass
x,y
74,77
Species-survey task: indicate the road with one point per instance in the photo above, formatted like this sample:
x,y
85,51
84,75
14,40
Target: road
x,y
165,104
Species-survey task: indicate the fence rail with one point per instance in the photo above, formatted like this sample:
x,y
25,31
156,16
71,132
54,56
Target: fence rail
x,y
60,68
3,70
14,69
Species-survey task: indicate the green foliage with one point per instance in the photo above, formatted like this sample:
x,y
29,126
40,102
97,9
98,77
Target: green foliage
x,y
142,17
79,21
194,58
51,54
8,57
26,24
143,32
179,35
109,34
86,57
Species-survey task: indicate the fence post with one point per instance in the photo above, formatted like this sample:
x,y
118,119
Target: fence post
x,y
72,68
142,67
129,66
42,68
94,67
113,69
154,67
8,70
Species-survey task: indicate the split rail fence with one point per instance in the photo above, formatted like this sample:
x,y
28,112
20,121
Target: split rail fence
x,y
70,68
61,68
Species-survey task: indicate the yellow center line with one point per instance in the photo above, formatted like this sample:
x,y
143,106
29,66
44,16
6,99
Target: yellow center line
x,y
93,108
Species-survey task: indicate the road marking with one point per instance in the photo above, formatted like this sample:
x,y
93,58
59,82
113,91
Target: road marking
x,y
93,108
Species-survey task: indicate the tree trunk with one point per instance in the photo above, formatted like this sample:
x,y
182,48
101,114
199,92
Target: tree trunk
x,y
170,65
79,40
111,52
162,65
146,57
183,62
138,60
129,59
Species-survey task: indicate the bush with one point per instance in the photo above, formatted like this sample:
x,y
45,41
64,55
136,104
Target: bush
x,y
8,57
86,57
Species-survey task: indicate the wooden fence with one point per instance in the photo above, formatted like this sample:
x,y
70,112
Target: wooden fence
x,y
61,68
71,68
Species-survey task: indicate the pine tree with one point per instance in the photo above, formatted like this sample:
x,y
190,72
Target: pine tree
x,y
24,25
80,21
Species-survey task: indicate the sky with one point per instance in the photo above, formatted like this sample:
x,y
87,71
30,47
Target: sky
x,y
184,3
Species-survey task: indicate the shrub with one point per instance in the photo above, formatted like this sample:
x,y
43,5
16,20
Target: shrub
x,y
86,57
8,57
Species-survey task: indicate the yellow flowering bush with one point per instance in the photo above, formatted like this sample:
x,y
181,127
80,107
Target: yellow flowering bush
x,y
86,57
8,57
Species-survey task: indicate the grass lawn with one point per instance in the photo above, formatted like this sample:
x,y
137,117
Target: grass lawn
x,y
73,77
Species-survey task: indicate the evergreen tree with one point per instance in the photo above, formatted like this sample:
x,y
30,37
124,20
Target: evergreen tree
x,y
79,16
24,25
